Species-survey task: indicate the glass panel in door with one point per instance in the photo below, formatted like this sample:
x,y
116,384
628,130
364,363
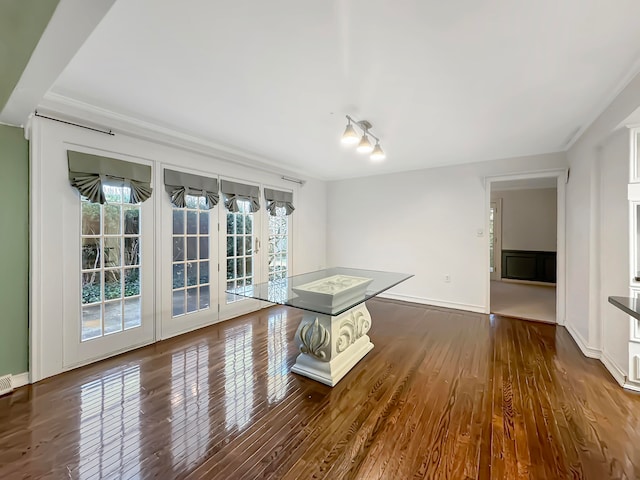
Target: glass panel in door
x,y
239,267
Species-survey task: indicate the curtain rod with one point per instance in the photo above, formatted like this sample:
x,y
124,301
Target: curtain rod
x,y
294,180
109,132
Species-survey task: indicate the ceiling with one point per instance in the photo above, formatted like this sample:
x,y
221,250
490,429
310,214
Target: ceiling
x,y
441,82
21,25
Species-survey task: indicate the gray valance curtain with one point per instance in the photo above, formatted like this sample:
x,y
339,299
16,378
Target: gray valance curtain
x,y
233,192
276,198
180,184
88,173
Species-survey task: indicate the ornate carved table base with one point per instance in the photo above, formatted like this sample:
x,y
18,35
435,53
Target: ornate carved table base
x,y
331,346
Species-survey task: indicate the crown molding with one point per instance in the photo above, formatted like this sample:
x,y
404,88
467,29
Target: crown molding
x,y
602,106
70,109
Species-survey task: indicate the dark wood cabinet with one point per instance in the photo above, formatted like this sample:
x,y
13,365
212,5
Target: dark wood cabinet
x,y
529,265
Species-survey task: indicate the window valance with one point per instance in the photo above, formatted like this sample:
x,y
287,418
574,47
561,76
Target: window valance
x,y
180,184
277,198
88,173
233,192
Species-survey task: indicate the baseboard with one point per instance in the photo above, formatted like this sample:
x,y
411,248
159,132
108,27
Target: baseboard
x,y
633,386
436,303
20,380
587,351
616,372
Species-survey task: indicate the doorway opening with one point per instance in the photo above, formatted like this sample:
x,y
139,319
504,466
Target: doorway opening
x,y
525,219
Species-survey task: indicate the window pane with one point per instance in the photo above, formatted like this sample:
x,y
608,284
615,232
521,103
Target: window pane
x,y
192,274
91,322
90,253
91,287
192,248
204,272
239,223
249,266
204,222
192,222
230,246
239,267
113,317
112,253
178,221
204,297
131,220
113,193
230,223
247,245
204,248
230,268
112,285
178,275
131,282
132,313
178,249
249,224
90,218
132,250
112,219
192,299
178,303
191,201
240,246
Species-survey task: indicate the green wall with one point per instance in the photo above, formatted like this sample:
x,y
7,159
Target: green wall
x,y
14,251
21,25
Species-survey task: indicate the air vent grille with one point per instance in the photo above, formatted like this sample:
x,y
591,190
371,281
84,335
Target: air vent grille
x,y
5,384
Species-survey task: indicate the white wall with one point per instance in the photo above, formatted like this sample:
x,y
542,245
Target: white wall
x,y
529,219
424,222
597,235
614,248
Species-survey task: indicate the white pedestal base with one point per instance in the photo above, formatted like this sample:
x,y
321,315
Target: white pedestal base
x,y
331,346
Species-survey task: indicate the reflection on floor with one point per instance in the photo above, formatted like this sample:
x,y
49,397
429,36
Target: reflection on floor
x,y
519,300
445,394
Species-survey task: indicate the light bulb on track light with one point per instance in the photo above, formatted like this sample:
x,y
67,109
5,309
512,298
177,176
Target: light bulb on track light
x,y
350,136
365,145
377,154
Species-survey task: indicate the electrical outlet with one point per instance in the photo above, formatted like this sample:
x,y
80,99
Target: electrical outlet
x,y
447,278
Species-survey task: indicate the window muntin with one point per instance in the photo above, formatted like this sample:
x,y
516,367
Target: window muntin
x,y
110,264
191,288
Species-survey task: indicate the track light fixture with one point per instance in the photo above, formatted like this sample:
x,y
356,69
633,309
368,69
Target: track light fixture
x,y
351,137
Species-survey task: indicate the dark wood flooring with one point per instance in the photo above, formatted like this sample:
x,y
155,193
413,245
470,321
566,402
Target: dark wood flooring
x,y
444,394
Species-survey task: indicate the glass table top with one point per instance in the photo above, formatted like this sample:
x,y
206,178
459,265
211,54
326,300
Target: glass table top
x,y
330,292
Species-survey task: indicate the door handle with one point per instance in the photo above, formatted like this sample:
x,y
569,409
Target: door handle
x,y
257,247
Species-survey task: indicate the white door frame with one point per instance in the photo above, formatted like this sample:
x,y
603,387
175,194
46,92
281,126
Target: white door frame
x,y
561,175
497,241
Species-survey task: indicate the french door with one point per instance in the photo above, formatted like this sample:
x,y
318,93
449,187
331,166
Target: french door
x,y
109,285
241,258
189,266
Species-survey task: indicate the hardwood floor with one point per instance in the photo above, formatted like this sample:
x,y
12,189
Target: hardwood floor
x,y
444,394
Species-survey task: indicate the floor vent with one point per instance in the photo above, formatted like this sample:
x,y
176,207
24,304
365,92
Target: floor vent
x,y
5,384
